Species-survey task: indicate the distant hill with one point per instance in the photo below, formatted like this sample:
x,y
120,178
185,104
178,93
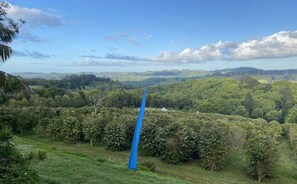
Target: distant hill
x,y
153,78
169,77
84,81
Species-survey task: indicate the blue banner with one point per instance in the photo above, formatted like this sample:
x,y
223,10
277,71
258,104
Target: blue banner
x,y
133,156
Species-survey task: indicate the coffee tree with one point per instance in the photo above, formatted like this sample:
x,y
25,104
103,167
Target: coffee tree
x,y
214,145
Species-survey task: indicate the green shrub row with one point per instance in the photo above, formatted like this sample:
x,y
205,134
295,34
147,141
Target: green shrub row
x,y
172,136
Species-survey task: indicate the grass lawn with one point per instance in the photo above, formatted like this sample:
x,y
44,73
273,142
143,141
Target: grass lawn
x,y
81,163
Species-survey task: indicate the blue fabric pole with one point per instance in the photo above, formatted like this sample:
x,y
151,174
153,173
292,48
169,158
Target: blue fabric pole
x,y
133,156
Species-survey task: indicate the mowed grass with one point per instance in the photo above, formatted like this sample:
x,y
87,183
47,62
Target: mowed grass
x,y
81,163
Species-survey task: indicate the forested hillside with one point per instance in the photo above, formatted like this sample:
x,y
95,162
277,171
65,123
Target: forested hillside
x,y
212,124
246,97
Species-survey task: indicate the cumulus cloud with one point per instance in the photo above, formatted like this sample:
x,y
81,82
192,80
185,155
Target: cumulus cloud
x,y
281,44
33,17
205,53
32,54
168,56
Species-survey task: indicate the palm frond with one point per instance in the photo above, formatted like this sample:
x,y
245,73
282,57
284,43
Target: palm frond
x,y
5,53
7,81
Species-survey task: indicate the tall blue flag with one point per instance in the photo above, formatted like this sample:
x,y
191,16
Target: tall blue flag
x,y
133,156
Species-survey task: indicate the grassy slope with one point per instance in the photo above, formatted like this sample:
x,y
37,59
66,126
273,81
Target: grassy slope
x,y
80,163
73,164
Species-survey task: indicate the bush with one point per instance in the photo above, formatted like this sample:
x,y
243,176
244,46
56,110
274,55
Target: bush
x,y
178,143
14,167
257,113
129,124
241,110
273,115
149,141
42,125
115,136
286,129
26,121
93,128
8,117
213,144
54,129
262,154
72,129
292,116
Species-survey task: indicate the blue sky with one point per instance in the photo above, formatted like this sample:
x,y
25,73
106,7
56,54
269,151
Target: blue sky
x,y
138,35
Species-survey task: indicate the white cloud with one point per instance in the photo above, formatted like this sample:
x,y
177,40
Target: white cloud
x,y
281,44
167,56
33,17
205,53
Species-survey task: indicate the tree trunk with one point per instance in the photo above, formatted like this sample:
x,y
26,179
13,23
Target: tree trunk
x,y
96,109
91,142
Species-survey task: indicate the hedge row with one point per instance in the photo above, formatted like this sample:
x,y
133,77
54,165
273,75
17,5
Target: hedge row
x,y
173,136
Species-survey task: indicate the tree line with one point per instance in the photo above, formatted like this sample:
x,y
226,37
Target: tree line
x,y
247,97
174,137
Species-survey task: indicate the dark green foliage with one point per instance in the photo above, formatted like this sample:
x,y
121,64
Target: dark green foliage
x,y
241,110
262,149
50,92
27,119
129,124
292,116
262,154
149,142
71,129
54,129
177,143
66,128
42,125
225,96
249,82
8,117
76,82
257,113
214,145
115,136
169,143
249,103
121,98
273,116
93,128
14,167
